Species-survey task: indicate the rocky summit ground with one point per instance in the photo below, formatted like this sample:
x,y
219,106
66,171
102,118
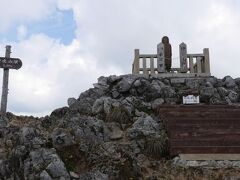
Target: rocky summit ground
x,y
112,131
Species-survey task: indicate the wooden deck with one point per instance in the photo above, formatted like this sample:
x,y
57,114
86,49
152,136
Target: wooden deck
x,y
194,129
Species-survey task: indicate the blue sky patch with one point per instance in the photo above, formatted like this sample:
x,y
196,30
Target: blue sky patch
x,y
60,25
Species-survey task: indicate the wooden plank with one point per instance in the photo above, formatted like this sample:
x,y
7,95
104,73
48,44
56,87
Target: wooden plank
x,y
196,111
201,143
148,56
203,106
193,142
202,118
148,69
201,136
210,121
198,128
199,106
198,135
187,116
195,55
205,150
201,110
232,119
195,136
198,115
205,131
214,139
234,115
208,125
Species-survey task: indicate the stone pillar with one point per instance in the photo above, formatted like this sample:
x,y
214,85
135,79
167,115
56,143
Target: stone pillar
x,y
160,58
144,66
206,60
152,65
183,58
136,61
199,65
191,64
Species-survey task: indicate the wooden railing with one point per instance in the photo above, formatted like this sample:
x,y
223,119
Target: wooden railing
x,y
189,63
147,65
202,64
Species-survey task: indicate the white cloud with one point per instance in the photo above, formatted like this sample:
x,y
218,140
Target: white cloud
x,y
51,73
21,32
110,30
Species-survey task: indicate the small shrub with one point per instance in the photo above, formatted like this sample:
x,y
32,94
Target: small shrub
x,y
157,146
119,115
70,156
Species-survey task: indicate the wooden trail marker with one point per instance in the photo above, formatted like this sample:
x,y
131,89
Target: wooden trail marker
x,y
7,63
10,63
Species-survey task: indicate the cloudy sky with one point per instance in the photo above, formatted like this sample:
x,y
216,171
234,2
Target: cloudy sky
x,y
65,45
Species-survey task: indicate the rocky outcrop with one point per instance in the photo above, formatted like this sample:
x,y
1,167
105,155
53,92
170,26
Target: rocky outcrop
x,y
110,131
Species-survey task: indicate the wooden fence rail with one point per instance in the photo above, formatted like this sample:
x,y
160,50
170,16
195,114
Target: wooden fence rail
x,y
154,63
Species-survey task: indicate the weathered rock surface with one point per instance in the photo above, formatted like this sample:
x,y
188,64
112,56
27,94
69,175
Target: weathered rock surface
x,y
144,126
110,132
229,82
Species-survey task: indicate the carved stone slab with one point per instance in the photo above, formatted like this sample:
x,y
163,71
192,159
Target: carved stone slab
x,y
183,57
160,58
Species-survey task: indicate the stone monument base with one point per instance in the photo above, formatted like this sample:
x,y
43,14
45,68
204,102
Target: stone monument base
x,y
181,75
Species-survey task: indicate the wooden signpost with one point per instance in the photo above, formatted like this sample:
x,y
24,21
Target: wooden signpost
x,y
7,63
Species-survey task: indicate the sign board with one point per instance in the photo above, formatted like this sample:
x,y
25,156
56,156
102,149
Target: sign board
x,y
10,63
190,99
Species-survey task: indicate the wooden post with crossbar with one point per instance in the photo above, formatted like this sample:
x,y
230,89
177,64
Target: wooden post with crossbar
x,y
7,63
5,83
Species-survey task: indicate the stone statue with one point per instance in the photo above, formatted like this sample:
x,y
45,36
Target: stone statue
x,y
167,53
